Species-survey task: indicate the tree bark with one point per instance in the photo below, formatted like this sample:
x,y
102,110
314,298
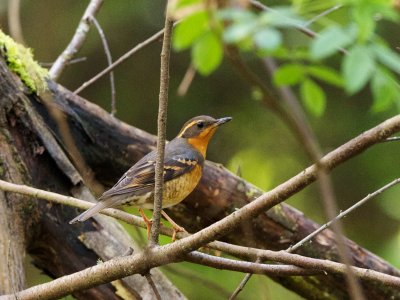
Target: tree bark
x,y
110,147
31,154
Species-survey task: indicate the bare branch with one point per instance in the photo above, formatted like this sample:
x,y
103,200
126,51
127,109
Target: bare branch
x,y
109,61
192,276
153,285
242,283
77,40
71,62
248,267
326,266
162,125
342,215
120,60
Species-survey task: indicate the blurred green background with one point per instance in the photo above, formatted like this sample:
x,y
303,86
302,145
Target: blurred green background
x,y
256,141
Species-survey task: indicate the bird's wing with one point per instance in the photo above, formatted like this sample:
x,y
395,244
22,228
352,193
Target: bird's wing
x,y
140,178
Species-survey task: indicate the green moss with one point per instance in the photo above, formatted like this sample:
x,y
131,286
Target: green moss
x,y
20,60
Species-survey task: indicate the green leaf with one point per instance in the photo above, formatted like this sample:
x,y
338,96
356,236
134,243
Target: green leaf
x,y
289,74
235,14
387,57
187,31
357,68
326,74
281,17
384,89
364,17
267,39
207,53
313,97
183,3
239,31
328,42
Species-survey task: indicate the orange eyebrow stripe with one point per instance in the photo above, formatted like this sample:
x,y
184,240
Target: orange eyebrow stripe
x,y
187,127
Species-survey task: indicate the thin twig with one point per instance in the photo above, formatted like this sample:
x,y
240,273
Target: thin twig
x,y
138,47
186,81
342,215
153,285
161,132
302,29
248,267
241,285
192,276
14,20
74,202
71,62
77,40
323,14
109,61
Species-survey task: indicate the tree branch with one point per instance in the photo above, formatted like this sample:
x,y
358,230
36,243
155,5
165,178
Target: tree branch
x,y
342,215
77,40
173,252
138,47
162,125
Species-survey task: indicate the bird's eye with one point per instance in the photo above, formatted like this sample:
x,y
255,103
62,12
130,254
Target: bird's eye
x,y
200,124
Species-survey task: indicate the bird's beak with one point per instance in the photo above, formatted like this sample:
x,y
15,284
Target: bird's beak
x,y
222,121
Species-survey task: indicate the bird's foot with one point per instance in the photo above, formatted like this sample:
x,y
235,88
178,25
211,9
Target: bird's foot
x,y
148,222
175,226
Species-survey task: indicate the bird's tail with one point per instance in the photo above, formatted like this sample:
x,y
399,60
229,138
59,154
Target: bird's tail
x,y
90,212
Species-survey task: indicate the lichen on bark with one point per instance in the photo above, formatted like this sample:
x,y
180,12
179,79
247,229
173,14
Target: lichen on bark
x,y
20,60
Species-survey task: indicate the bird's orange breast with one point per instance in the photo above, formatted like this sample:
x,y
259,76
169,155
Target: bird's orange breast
x,y
179,188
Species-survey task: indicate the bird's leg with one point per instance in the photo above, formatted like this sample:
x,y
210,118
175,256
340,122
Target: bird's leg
x,y
175,226
147,221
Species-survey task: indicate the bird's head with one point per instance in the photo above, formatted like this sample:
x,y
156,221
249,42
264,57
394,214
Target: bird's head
x,y
199,130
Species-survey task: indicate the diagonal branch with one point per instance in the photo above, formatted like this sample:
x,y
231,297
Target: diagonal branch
x,y
77,40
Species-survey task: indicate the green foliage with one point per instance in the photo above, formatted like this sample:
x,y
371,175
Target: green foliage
x,y
189,30
195,31
385,90
326,74
289,74
313,97
387,57
303,64
357,66
330,40
207,53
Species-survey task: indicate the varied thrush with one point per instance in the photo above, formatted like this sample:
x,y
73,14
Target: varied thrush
x,y
183,166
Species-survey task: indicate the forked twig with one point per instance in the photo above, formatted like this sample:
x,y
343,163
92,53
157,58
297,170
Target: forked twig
x,y
77,40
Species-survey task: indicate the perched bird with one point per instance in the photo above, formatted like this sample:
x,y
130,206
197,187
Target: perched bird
x,y
183,166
